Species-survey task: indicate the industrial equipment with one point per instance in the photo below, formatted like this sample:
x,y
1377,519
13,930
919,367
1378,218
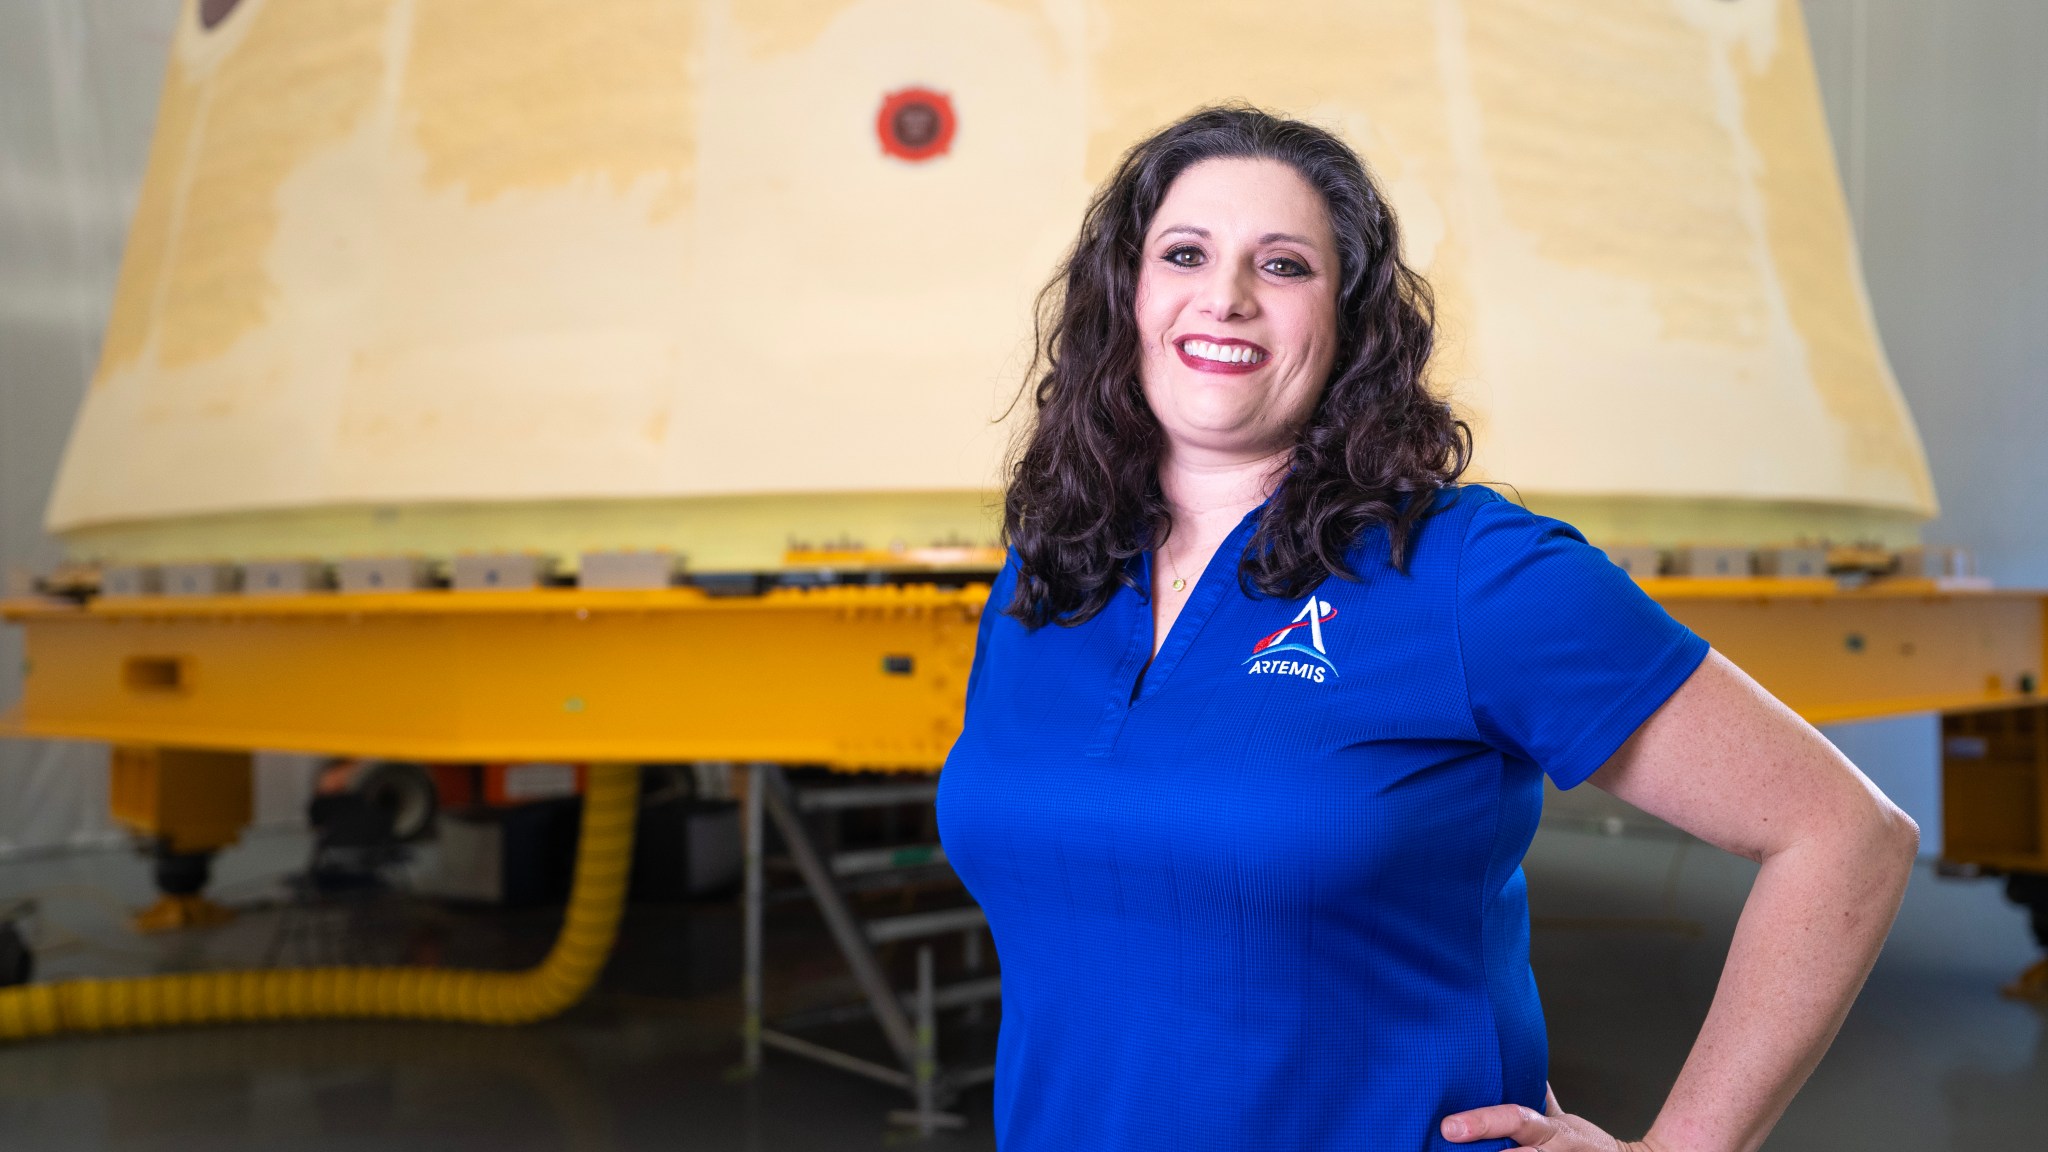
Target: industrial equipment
x,y
679,338
504,278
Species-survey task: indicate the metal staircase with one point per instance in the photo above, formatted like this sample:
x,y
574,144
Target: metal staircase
x,y
908,1018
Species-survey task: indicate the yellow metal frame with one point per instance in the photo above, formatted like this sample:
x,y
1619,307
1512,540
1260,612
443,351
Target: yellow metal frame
x,y
1892,648
851,677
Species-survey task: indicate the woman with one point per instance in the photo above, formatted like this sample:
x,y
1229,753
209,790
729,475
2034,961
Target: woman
x,y
1260,709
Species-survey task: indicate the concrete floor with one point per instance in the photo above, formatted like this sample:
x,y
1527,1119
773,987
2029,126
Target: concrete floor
x,y
1629,932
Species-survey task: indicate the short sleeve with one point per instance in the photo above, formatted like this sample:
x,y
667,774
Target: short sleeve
x,y
999,594
1564,655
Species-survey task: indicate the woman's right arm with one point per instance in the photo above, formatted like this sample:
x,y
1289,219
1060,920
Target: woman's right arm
x,y
1724,760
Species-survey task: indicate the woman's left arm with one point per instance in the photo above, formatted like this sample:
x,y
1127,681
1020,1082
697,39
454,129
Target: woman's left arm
x,y
1726,762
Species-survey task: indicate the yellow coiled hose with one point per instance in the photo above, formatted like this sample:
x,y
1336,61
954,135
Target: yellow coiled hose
x,y
604,857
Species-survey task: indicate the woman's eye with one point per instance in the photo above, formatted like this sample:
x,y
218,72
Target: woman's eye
x,y
1285,266
1186,256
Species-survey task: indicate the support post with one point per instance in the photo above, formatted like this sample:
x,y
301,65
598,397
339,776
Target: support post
x,y
186,805
754,897
927,1069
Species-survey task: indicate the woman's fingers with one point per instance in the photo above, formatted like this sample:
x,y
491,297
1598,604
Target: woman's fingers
x,y
1557,1132
1512,1121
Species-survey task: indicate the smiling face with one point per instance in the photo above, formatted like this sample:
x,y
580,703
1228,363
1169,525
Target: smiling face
x,y
1236,309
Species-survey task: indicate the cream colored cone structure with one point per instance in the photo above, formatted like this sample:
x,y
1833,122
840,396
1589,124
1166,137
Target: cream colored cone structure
x,y
463,274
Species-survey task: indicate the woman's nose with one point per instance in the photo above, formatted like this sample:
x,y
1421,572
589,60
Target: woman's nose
x,y
1228,293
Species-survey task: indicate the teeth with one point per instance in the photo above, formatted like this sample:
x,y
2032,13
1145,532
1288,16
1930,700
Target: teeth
x,y
1222,353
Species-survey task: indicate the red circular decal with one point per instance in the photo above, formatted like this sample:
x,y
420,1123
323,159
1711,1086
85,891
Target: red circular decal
x,y
915,124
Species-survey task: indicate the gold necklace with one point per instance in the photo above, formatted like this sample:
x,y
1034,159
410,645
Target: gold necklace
x,y
1178,583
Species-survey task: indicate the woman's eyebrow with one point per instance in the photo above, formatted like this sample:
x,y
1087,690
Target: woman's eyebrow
x,y
1268,238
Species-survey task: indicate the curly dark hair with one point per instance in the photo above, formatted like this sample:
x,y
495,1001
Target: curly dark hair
x,y
1084,495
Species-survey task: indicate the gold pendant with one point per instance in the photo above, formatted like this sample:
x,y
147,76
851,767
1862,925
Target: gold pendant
x,y
1179,584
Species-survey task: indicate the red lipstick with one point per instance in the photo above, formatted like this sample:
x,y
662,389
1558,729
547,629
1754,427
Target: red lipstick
x,y
1217,352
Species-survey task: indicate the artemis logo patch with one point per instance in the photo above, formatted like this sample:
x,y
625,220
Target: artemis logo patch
x,y
1266,658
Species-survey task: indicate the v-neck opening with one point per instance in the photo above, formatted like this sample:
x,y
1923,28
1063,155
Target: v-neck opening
x,y
1140,675
1209,590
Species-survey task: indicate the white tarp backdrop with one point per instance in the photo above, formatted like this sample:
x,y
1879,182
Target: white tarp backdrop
x,y
78,93
78,90
1939,114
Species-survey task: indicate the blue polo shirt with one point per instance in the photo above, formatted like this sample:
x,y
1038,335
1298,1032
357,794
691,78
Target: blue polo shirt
x,y
1266,892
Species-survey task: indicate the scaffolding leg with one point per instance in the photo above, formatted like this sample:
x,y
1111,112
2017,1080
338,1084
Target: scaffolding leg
x,y
927,1042
750,971
846,930
924,1081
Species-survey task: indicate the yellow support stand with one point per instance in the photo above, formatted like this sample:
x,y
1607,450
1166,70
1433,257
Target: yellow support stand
x,y
189,804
